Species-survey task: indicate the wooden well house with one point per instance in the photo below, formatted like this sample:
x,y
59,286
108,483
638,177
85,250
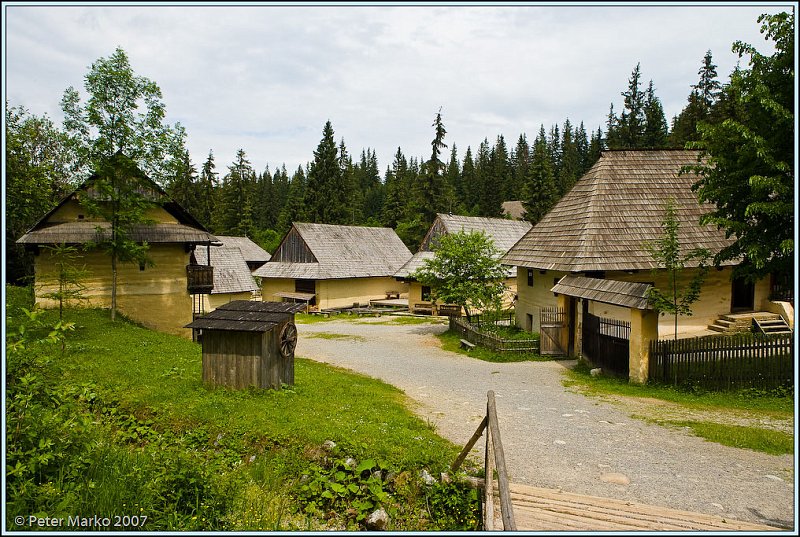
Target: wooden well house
x,y
249,343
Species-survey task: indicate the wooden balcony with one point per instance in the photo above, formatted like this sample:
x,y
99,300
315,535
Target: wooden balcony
x,y
199,279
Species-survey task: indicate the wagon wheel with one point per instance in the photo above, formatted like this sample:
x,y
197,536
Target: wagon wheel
x,y
288,340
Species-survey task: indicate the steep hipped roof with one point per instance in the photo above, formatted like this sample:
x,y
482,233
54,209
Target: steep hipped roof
x,y
613,210
231,273
247,316
505,233
252,252
324,251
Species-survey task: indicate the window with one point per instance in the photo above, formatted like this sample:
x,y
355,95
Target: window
x,y
530,277
426,293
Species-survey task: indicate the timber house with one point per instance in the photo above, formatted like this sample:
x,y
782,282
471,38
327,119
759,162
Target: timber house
x,y
233,279
504,234
158,297
332,266
599,230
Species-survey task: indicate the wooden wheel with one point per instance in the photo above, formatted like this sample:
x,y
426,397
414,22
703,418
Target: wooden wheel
x,y
288,340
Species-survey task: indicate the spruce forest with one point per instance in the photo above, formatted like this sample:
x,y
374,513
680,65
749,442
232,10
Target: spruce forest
x,y
350,187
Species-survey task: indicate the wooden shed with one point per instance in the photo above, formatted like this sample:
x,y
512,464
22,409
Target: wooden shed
x,y
248,343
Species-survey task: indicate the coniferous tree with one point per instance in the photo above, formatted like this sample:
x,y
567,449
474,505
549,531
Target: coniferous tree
x,y
483,174
207,191
595,148
394,208
582,147
501,170
570,161
183,187
520,162
632,122
327,195
430,190
702,101
469,184
234,214
454,185
655,127
294,208
541,192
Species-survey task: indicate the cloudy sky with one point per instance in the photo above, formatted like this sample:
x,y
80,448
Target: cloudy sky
x,y
265,77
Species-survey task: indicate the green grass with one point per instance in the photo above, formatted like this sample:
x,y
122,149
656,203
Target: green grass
x,y
150,420
335,336
404,320
753,438
451,341
777,405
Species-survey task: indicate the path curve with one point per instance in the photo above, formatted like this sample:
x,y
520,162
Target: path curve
x,y
554,437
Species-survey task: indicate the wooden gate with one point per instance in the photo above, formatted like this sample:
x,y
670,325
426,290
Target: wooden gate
x,y
552,325
606,342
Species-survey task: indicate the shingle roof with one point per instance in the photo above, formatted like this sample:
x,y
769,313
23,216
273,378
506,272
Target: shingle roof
x,y
252,252
83,232
514,209
627,294
247,316
231,273
505,233
416,262
342,252
613,210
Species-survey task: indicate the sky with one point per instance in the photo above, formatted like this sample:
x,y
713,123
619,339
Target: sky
x,y
266,77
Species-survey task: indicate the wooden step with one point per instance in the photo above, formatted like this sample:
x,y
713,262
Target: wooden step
x,y
540,509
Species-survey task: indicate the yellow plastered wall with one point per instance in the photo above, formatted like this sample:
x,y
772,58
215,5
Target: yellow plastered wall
x,y
531,299
415,294
213,301
155,297
346,292
72,210
270,286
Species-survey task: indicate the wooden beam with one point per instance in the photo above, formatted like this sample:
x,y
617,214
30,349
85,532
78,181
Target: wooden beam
x,y
506,507
463,455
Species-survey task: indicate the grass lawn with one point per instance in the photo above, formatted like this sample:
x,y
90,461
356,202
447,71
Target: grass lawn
x,y
451,341
728,418
217,458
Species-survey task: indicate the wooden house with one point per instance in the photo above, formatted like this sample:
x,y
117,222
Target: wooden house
x,y
232,277
599,230
331,266
503,232
248,344
158,297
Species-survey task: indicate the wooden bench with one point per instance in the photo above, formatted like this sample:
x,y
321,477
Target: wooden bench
x,y
392,294
466,345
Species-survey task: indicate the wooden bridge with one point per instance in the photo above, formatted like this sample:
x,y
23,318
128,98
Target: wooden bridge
x,y
514,507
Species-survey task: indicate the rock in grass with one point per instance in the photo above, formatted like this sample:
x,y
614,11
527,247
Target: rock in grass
x,y
427,477
378,520
596,372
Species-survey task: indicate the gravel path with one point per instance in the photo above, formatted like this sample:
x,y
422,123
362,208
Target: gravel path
x,y
554,437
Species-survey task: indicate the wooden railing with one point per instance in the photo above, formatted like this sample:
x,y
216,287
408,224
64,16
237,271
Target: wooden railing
x,y
473,333
495,461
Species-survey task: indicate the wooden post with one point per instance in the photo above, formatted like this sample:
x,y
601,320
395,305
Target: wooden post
x,y
506,507
488,488
468,447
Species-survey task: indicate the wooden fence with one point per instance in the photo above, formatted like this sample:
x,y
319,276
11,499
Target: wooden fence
x,y
478,336
724,362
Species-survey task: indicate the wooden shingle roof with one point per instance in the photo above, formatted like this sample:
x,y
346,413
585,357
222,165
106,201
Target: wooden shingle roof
x,y
626,294
231,273
505,233
613,210
83,232
252,252
247,316
325,251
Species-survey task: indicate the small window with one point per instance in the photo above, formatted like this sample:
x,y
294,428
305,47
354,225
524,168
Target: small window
x,y
530,277
80,217
141,265
426,293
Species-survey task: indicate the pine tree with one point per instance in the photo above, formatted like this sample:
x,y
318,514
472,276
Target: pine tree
x,y
570,161
582,147
294,208
397,187
207,191
632,121
708,88
595,148
483,174
520,162
469,184
701,102
655,128
327,195
430,190
236,196
541,192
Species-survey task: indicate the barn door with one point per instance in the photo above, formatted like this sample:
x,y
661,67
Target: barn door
x,y
552,325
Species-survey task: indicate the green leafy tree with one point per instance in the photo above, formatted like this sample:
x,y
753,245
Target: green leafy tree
x,y
748,168
119,195
123,113
666,251
37,171
464,270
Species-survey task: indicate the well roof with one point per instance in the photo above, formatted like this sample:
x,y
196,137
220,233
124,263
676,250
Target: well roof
x,y
231,273
247,316
342,252
604,222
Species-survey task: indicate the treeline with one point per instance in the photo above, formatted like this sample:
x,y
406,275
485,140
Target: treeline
x,y
342,187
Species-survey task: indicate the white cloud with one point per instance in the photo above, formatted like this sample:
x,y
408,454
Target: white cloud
x,y
266,78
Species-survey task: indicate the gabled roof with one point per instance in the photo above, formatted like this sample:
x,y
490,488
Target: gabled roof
x,y
188,229
505,233
231,273
417,261
335,252
252,252
514,209
613,210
